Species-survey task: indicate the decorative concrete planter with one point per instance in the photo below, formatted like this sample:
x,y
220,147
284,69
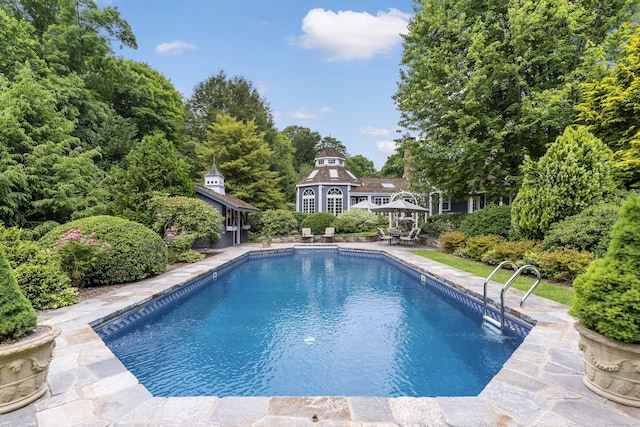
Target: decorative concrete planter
x,y
611,368
24,366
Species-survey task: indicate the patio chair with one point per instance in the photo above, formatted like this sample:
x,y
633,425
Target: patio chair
x,y
329,234
382,237
412,238
306,235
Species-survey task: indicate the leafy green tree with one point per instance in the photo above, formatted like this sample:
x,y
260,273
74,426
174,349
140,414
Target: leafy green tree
x,y
46,177
60,180
304,142
394,166
143,95
483,84
576,171
16,44
242,156
237,97
152,167
75,32
13,189
360,166
116,137
283,156
331,142
221,95
609,109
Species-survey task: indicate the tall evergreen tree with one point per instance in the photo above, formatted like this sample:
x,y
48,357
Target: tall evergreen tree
x,y
575,172
242,156
152,167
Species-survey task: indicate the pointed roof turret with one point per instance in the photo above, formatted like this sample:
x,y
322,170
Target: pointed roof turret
x,y
214,180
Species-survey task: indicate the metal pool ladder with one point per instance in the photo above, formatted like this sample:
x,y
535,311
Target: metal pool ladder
x,y
518,271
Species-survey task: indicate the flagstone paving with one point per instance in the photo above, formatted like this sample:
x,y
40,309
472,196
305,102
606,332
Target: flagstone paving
x,y
540,385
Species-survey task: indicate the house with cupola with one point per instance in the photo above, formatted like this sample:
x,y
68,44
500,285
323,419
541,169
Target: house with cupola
x,y
235,212
330,187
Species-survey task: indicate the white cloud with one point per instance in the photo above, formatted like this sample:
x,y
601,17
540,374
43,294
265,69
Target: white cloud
x,y
326,109
386,147
304,114
348,35
371,131
263,87
176,47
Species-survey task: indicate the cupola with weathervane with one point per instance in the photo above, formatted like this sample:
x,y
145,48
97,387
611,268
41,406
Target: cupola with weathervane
x,y
214,180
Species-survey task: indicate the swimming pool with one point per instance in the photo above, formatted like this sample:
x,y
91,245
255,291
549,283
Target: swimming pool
x,y
346,323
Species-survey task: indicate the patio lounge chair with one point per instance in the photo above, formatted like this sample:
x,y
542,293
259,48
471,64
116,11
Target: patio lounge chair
x,y
306,235
382,237
329,234
412,238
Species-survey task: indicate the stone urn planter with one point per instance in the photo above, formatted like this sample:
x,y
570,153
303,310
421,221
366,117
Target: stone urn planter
x,y
611,368
24,366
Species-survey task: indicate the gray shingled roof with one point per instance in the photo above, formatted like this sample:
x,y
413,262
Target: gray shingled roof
x,y
227,200
374,185
330,152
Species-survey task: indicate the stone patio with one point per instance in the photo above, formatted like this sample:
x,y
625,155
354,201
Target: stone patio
x,y
540,385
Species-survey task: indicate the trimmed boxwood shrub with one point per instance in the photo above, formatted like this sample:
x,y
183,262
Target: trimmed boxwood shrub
x,y
476,247
318,221
564,264
514,251
607,295
356,221
494,220
451,241
136,251
590,230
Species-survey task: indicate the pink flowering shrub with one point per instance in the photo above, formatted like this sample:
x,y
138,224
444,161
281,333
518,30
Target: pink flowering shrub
x,y
78,252
179,244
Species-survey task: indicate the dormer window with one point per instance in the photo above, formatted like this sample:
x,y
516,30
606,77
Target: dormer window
x,y
331,161
320,162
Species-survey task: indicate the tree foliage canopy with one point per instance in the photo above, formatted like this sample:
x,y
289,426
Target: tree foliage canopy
x,y
242,156
610,107
483,84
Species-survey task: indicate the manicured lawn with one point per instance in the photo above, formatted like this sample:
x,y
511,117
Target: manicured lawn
x,y
549,290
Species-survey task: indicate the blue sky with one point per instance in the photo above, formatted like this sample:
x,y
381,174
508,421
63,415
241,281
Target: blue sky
x,y
331,66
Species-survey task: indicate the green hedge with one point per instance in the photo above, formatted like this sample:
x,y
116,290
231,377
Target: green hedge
x,y
318,221
590,230
136,251
356,221
494,220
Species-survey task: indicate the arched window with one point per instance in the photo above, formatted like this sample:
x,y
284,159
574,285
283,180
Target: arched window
x,y
334,201
309,201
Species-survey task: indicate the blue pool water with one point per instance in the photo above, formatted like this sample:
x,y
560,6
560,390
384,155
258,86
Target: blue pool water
x,y
313,323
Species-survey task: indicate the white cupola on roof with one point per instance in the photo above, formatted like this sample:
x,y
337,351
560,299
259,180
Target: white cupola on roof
x,y
214,180
330,157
